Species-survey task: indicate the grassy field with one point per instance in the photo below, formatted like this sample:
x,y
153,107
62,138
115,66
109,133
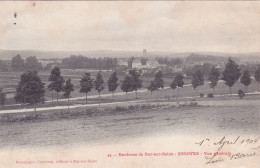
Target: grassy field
x,y
110,125
9,81
115,123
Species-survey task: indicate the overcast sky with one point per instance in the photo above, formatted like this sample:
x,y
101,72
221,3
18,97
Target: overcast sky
x,y
157,26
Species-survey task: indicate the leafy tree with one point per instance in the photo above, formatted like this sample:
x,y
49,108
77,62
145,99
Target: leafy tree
x,y
2,97
112,83
197,79
158,80
30,89
99,83
136,82
51,88
214,77
179,81
57,82
241,94
195,68
231,74
67,89
3,66
206,67
143,61
55,74
173,85
115,64
152,87
257,76
130,62
86,84
246,79
32,64
48,66
126,84
17,63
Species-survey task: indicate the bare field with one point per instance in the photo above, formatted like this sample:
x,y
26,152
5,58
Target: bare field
x,y
113,127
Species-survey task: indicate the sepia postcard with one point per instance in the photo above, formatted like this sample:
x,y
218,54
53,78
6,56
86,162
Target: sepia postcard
x,y
129,84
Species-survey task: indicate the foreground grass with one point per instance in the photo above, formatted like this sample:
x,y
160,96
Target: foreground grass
x,y
124,123
94,111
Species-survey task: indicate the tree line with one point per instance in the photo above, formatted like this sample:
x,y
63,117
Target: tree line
x,y
80,62
3,66
29,64
204,58
170,61
30,89
73,62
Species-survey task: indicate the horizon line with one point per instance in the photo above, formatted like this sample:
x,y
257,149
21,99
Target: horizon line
x,y
114,50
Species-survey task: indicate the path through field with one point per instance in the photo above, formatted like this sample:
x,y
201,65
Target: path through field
x,y
123,103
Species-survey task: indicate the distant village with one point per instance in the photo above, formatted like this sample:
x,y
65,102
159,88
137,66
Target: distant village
x,y
147,64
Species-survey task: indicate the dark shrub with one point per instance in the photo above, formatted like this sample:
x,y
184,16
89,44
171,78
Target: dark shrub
x,y
210,95
241,94
201,95
133,107
118,108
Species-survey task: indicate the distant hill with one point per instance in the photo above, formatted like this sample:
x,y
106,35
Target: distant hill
x,y
8,54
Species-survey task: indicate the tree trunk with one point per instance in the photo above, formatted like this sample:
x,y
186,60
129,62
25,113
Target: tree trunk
x,y
258,86
24,103
34,105
99,98
113,95
230,91
178,97
158,93
214,90
52,96
68,102
86,97
136,94
57,98
245,89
